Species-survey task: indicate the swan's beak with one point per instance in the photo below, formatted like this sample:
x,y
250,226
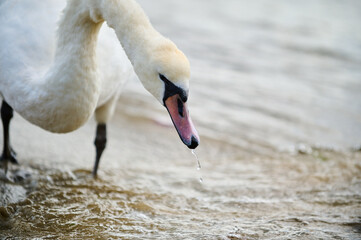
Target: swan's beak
x,y
179,114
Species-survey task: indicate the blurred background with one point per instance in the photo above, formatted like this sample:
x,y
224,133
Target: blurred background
x,y
275,96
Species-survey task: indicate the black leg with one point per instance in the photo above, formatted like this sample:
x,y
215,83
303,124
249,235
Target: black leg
x,y
8,153
100,143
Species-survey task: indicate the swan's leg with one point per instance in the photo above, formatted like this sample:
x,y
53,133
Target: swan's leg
x,y
8,153
102,115
100,143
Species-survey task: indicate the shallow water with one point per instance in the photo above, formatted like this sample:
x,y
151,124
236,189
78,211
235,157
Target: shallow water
x,y
301,197
275,95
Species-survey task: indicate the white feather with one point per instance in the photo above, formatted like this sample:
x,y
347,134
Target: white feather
x,y
55,73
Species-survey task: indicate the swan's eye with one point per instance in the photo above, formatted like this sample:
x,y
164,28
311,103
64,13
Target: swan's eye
x,y
163,78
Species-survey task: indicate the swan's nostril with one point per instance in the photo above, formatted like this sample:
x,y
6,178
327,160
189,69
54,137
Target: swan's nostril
x,y
194,143
180,108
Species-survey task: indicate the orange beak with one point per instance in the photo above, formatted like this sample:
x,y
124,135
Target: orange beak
x,y
179,114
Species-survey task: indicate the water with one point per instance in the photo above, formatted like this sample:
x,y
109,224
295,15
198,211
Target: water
x,y
275,96
199,167
198,162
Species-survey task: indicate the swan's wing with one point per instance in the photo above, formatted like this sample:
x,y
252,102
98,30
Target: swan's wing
x,y
27,37
28,41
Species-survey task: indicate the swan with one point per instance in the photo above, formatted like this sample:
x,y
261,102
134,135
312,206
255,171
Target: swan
x,y
57,74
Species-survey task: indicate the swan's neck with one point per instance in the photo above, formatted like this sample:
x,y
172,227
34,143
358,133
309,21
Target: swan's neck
x,y
132,27
75,59
67,95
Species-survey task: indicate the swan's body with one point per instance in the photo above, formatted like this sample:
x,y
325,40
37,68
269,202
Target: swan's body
x,y
28,47
57,71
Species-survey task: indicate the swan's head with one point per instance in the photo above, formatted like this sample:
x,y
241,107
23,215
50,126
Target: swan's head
x,y
165,73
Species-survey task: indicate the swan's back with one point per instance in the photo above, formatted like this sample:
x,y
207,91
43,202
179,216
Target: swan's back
x,y
28,42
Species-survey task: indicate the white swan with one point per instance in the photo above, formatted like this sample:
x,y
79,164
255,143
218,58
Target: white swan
x,y
57,81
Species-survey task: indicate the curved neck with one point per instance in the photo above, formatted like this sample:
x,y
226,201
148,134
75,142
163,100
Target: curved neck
x,y
131,26
67,96
76,45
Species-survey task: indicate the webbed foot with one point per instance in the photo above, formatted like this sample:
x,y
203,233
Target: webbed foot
x,y
5,158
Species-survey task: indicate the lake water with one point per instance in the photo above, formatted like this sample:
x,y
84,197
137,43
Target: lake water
x,y
275,96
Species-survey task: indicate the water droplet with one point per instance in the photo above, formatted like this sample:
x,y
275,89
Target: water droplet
x,y
199,166
198,162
